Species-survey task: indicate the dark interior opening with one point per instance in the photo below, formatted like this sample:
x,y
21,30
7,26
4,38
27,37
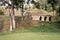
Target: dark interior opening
x,y
40,18
49,18
45,18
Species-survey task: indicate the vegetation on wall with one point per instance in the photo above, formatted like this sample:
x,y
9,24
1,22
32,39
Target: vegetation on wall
x,y
1,12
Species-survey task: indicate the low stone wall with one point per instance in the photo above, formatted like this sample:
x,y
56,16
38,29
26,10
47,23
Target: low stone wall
x,y
1,23
5,23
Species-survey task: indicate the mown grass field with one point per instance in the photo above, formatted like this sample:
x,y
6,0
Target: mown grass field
x,y
31,36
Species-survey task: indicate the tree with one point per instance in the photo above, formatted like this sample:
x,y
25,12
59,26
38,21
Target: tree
x,y
37,4
58,9
11,14
53,4
20,4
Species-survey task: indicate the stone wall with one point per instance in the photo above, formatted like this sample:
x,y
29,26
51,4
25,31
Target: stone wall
x,y
4,23
35,17
1,23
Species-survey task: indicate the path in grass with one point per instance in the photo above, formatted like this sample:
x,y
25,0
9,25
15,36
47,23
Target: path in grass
x,y
31,36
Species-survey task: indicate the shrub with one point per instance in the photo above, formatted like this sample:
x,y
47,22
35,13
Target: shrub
x,y
1,12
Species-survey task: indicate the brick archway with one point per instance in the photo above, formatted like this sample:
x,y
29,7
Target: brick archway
x,y
41,18
45,18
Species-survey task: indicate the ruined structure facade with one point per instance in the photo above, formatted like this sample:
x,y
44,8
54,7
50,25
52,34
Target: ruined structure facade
x,y
41,15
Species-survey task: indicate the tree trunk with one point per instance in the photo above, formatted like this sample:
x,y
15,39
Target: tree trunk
x,y
12,19
22,10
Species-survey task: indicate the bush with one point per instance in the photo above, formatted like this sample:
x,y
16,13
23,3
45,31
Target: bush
x,y
1,12
48,27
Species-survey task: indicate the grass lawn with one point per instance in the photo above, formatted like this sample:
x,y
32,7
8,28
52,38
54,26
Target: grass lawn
x,y
31,36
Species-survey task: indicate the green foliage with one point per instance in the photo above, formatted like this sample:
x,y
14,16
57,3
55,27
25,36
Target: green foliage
x,y
37,5
49,8
18,3
53,3
50,27
58,11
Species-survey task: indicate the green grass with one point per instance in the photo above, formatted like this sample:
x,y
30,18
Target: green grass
x,y
31,36
47,27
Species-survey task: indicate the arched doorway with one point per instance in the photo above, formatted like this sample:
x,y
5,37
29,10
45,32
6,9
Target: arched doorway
x,y
40,18
50,18
45,18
